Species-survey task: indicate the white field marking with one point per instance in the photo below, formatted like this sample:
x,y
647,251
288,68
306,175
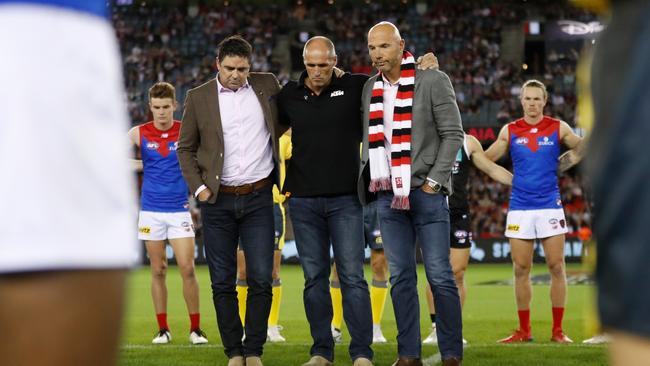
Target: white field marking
x,y
383,345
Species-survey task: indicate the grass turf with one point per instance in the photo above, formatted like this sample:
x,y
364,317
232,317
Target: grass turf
x,y
489,314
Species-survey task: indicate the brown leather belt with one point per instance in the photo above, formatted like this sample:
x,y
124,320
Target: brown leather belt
x,y
246,188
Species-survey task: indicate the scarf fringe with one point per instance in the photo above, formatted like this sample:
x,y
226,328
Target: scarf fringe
x,y
381,184
400,203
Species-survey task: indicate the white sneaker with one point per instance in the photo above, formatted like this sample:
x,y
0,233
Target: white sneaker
x,y
162,337
598,339
377,335
337,335
432,338
198,337
273,334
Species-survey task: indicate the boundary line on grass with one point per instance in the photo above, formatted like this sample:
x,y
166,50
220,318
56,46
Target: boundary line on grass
x,y
474,345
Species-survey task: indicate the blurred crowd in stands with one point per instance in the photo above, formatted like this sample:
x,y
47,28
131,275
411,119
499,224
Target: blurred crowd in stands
x,y
178,44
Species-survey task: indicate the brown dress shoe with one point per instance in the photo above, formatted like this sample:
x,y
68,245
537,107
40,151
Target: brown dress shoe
x,y
405,361
452,362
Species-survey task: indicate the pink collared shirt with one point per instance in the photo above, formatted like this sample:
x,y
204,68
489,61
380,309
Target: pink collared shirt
x,y
248,153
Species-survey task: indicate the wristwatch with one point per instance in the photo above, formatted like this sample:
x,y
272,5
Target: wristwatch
x,y
435,186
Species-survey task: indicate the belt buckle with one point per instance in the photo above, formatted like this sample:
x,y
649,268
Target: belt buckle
x,y
243,189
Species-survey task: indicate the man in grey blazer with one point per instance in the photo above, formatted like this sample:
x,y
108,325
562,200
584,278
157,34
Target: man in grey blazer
x,y
412,133
228,151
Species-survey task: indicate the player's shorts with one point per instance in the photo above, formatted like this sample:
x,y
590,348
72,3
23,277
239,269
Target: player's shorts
x,y
68,196
165,225
461,232
535,224
279,220
371,227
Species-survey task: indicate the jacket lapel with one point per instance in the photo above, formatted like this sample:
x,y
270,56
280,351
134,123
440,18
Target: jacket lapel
x,y
212,101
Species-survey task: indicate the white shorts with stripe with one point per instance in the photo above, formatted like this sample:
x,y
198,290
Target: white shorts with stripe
x,y
165,225
535,224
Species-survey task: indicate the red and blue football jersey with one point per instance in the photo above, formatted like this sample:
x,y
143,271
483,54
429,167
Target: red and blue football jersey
x,y
163,186
535,150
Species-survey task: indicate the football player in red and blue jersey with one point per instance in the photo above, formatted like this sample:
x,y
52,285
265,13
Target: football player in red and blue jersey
x,y
164,214
535,210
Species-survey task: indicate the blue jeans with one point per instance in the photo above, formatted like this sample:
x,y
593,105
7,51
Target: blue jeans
x,y
317,221
428,219
249,217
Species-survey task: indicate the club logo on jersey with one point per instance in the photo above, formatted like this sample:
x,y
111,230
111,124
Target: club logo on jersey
x,y
173,146
521,140
545,142
513,228
144,230
152,145
336,93
461,236
456,168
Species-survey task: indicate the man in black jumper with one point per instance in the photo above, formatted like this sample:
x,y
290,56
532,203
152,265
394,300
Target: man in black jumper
x,y
324,112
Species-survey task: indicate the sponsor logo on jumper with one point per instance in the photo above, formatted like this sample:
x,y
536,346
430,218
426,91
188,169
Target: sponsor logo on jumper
x,y
164,135
534,130
545,142
336,93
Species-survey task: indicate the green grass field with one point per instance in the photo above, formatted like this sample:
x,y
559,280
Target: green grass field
x,y
489,314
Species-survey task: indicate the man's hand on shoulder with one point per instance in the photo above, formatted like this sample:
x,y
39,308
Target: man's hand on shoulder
x,y
428,62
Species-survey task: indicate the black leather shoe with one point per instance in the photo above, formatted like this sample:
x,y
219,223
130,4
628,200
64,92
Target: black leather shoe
x,y
405,361
452,362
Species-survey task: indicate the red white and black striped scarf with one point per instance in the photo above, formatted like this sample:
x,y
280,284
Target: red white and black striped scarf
x,y
398,176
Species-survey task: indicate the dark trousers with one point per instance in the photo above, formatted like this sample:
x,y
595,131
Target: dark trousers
x,y
317,222
428,219
249,217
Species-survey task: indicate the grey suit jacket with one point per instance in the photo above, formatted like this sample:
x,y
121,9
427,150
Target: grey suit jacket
x,y
436,131
201,143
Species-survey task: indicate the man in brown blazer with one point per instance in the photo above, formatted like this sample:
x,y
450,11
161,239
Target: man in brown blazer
x,y
228,152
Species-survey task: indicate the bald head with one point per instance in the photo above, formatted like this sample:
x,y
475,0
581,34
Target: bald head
x,y
385,46
319,44
385,28
319,58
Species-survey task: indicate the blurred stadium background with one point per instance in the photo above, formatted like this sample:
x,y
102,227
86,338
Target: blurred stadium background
x,y
488,48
